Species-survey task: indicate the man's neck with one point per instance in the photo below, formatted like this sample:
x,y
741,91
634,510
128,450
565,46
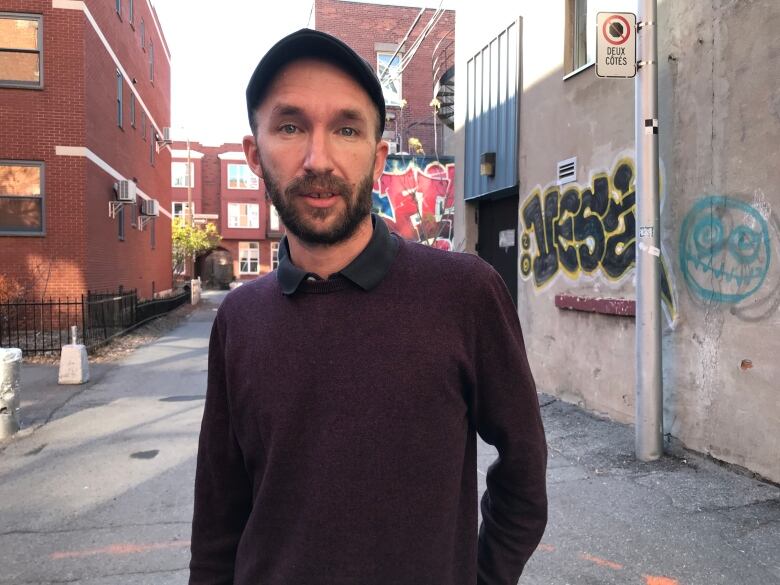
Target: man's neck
x,y
324,260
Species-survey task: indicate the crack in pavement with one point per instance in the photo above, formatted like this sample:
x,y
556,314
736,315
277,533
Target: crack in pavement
x,y
95,528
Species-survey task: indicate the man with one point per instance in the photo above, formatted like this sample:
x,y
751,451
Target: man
x,y
345,389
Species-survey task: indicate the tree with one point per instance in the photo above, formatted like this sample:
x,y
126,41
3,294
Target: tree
x,y
191,241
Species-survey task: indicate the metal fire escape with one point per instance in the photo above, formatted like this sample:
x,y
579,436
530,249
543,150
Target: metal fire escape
x,y
443,70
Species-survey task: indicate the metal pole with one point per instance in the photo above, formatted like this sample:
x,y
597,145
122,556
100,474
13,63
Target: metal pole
x,y
188,215
649,379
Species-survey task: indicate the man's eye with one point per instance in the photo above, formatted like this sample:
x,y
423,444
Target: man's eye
x,y
348,132
288,128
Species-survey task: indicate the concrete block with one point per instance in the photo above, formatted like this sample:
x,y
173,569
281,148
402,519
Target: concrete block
x,y
74,366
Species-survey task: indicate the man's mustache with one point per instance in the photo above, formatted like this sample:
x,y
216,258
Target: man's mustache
x,y
327,183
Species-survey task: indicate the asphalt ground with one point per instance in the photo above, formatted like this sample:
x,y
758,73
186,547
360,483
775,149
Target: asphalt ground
x,y
97,487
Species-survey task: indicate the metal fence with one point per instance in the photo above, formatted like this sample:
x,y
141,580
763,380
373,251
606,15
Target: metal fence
x,y
44,326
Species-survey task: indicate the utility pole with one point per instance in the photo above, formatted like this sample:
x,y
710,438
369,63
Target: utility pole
x,y
649,377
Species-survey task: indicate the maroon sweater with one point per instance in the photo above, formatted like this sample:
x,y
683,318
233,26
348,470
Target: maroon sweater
x,y
338,444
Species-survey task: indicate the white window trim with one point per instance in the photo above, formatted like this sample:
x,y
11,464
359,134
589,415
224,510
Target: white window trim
x,y
399,78
190,178
183,205
274,255
246,247
251,176
240,227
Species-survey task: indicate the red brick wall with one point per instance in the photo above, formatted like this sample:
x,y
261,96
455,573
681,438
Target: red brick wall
x,y
77,108
211,187
34,121
362,25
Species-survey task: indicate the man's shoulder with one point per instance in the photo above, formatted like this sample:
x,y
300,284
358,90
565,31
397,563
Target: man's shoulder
x,y
261,289
446,263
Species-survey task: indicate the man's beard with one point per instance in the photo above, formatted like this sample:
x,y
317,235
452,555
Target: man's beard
x,y
303,224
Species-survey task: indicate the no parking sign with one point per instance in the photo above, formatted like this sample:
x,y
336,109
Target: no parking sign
x,y
616,46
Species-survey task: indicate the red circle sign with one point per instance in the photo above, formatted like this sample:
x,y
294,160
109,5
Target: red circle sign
x,y
626,28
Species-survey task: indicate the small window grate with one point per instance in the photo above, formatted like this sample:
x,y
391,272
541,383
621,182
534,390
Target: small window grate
x,y
567,171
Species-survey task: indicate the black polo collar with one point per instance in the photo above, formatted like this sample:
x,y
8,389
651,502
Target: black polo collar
x,y
366,271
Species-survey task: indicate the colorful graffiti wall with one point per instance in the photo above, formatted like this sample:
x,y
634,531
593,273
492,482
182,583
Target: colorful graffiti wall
x,y
416,197
584,231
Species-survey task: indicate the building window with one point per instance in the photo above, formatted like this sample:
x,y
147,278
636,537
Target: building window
x,y
120,222
179,208
248,257
21,50
390,75
151,61
119,84
151,148
131,11
153,234
243,215
179,175
581,18
274,224
143,125
240,176
132,109
143,34
119,7
21,197
274,255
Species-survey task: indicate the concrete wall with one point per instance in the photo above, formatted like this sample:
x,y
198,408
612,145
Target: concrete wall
x,y
719,88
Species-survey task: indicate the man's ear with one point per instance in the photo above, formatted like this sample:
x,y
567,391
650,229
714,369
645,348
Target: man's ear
x,y
380,158
252,155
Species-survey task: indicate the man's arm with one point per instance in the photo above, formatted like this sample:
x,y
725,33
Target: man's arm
x,y
222,487
505,411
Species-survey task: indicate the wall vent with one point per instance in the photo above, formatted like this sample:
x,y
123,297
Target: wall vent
x,y
567,171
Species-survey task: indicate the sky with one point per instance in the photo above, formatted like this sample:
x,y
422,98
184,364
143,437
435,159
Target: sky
x,y
215,45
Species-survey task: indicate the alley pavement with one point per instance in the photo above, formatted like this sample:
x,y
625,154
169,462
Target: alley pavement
x,y
97,487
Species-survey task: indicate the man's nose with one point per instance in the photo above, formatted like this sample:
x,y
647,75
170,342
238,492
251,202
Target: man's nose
x,y
319,156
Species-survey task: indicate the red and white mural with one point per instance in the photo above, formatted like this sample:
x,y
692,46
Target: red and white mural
x,y
416,197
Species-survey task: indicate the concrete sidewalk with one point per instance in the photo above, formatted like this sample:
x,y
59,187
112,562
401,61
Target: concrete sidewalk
x,y
97,488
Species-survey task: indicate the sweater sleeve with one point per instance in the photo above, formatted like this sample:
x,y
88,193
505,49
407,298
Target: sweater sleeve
x,y
505,411
222,486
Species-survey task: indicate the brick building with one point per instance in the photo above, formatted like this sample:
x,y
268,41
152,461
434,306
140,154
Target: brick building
x,y
376,32
84,100
224,191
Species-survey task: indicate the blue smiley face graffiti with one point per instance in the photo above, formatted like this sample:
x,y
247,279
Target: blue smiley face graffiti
x,y
725,251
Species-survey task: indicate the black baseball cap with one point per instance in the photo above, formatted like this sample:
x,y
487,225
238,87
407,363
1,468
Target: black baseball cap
x,y
313,43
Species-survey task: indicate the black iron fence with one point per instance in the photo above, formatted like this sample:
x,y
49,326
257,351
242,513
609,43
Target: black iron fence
x,y
44,326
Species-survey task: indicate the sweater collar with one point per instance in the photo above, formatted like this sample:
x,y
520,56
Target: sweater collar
x,y
366,271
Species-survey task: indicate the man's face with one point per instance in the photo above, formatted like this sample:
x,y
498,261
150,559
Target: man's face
x,y
317,151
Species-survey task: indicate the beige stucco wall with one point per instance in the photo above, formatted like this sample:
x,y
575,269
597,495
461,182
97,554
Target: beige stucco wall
x,y
719,92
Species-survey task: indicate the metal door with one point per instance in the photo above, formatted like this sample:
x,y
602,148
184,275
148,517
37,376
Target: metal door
x,y
497,243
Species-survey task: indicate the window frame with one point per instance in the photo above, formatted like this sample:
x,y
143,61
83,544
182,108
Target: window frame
x,y
251,175
399,79
151,61
132,108
39,51
247,246
131,12
274,213
118,6
120,220
142,29
181,213
119,98
189,176
230,215
274,255
28,163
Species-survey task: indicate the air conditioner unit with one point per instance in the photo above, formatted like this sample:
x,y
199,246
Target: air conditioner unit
x,y
392,147
125,191
151,207
166,133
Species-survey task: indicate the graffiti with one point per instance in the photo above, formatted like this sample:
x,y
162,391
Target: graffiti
x,y
726,254
584,231
416,198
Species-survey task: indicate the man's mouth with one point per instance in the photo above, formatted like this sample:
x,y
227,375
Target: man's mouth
x,y
320,195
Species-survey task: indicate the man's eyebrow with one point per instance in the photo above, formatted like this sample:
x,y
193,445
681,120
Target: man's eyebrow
x,y
286,110
352,115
